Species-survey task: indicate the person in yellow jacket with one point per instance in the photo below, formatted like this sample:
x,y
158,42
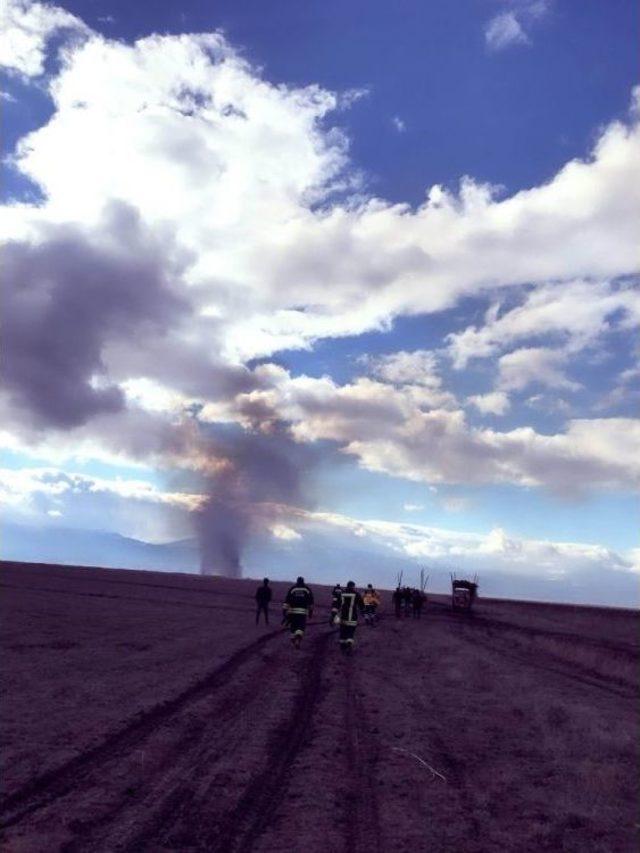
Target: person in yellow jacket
x,y
371,600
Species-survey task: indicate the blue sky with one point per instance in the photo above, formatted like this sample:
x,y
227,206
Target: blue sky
x,y
513,117
339,263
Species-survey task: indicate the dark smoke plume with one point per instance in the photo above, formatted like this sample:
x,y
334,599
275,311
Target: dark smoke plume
x,y
222,530
256,470
64,298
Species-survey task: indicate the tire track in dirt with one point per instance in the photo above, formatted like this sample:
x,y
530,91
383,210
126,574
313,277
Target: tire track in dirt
x,y
243,825
199,590
553,664
426,730
203,732
625,649
161,602
363,799
475,618
59,781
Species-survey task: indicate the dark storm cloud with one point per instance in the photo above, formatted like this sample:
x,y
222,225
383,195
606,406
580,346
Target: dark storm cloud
x,y
65,297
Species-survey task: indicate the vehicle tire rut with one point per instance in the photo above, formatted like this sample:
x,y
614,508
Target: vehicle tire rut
x,y
57,782
207,728
547,662
363,832
245,823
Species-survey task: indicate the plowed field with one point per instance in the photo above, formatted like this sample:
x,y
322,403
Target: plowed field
x,y
147,712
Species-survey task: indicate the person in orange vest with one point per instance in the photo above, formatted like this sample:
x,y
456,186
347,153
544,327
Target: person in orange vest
x,y
371,601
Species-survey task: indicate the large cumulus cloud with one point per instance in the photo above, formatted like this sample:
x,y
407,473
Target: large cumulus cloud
x,y
405,430
252,177
195,216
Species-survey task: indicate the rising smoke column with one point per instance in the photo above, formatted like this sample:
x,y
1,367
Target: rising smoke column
x,y
253,470
222,529
223,522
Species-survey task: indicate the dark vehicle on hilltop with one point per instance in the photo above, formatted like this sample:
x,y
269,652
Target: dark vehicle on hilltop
x,y
463,594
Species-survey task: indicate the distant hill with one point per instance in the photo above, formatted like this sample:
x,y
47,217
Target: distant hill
x,y
95,548
322,555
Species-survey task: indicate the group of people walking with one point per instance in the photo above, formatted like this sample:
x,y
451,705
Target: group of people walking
x,y
408,601
347,605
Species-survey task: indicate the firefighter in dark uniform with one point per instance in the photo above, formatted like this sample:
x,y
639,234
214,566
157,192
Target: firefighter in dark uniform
x,y
407,596
298,604
263,597
417,602
397,602
336,592
351,604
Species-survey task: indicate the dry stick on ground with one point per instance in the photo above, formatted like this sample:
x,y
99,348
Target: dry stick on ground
x,y
421,760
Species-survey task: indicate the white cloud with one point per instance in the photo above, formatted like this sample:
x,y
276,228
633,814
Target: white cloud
x,y
413,507
251,170
631,374
399,124
496,550
539,365
282,531
26,28
389,429
504,30
246,203
549,403
19,484
439,447
494,403
575,313
510,27
130,507
634,558
419,367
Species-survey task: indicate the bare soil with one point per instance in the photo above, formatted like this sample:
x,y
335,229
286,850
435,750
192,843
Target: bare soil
x,y
147,712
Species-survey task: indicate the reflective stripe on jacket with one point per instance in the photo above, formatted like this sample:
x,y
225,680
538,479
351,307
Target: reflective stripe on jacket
x,y
350,604
299,600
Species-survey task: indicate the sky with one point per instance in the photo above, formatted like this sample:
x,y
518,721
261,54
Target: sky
x,y
295,280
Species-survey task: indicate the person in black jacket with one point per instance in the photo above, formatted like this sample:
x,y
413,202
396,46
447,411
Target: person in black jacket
x,y
336,592
263,597
417,602
351,604
397,602
407,597
298,605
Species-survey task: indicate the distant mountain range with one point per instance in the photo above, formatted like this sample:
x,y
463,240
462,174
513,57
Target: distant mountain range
x,y
95,548
322,556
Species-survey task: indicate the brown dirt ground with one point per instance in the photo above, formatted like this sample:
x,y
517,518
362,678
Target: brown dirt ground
x,y
147,712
